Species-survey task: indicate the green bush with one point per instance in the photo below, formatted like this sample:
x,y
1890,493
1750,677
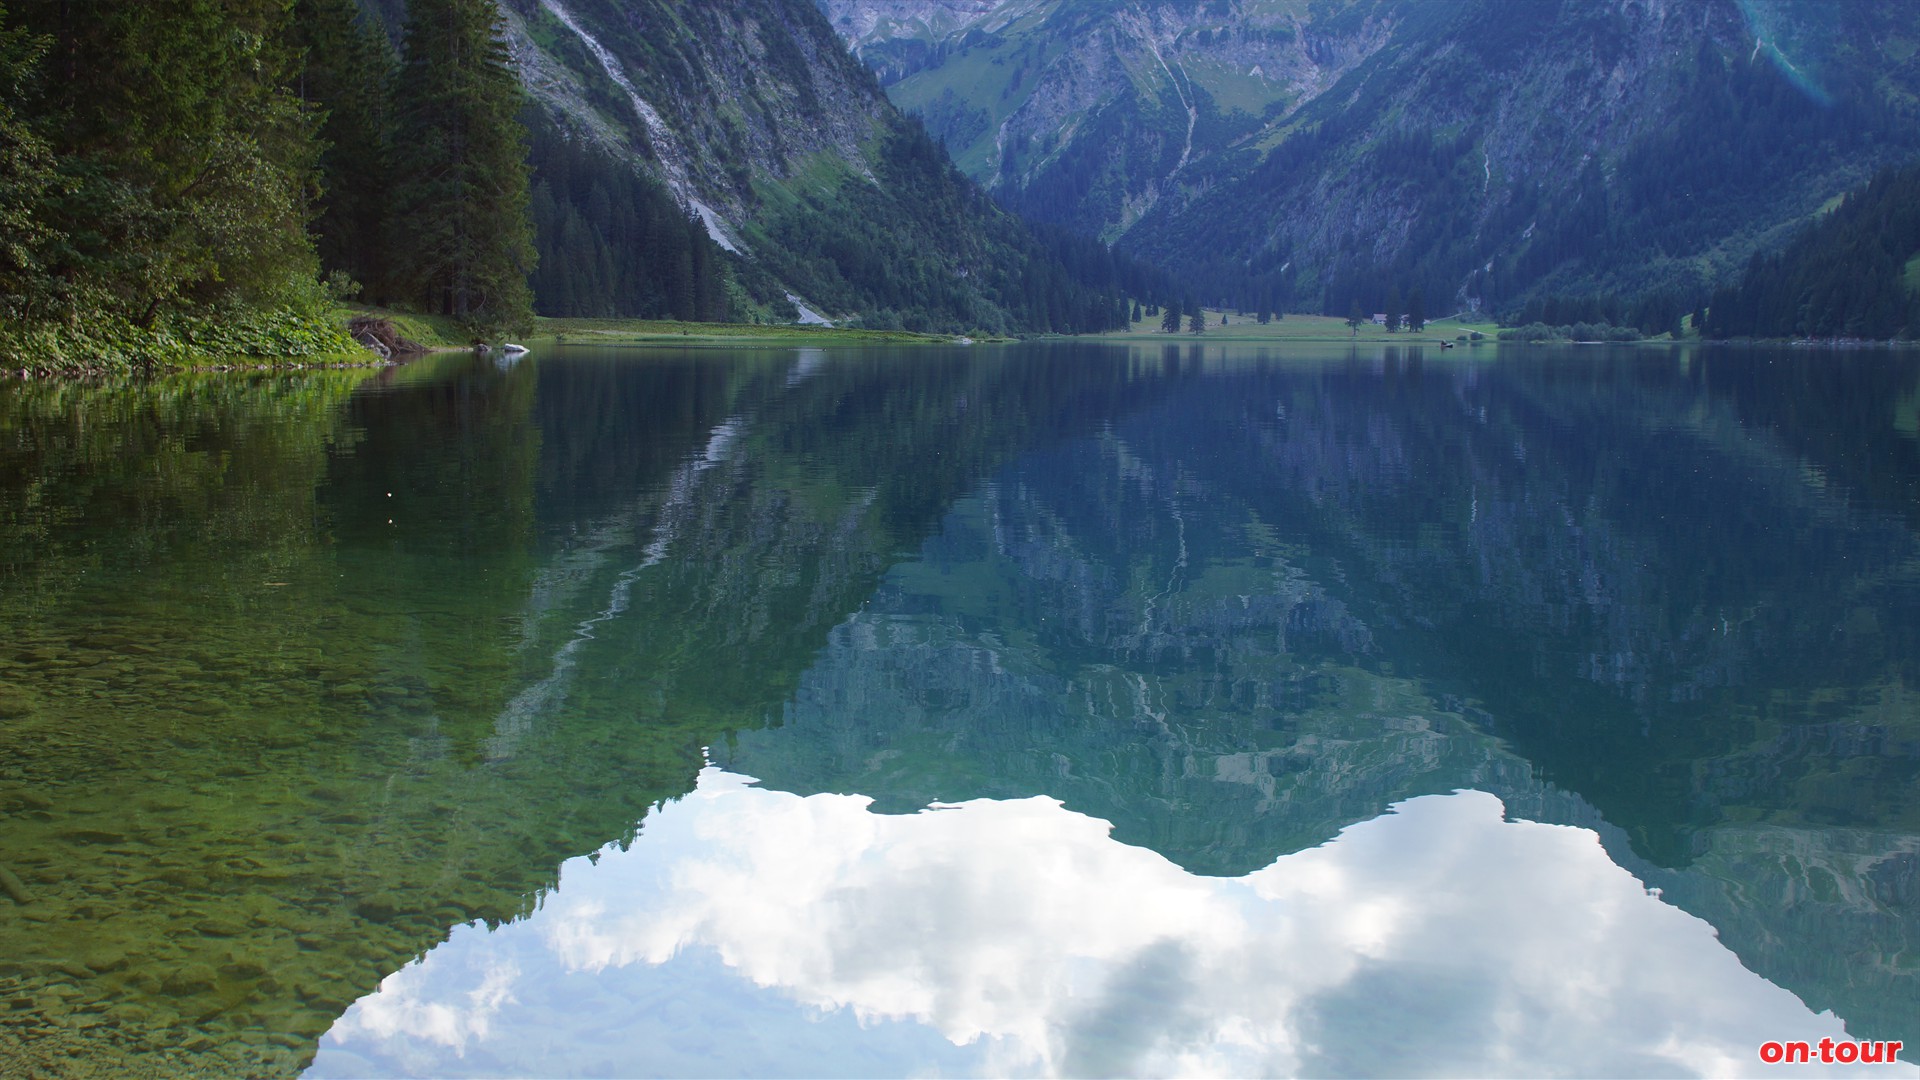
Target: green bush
x,y
104,344
1535,332
1577,332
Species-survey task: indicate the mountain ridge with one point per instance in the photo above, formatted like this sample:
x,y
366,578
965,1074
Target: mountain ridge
x,y
1486,152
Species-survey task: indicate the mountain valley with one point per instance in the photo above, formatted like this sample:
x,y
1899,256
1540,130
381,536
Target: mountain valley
x,y
1320,154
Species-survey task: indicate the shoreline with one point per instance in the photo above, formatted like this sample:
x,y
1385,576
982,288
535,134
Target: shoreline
x,y
654,333
213,365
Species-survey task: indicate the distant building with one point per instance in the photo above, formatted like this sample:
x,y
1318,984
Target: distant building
x,y
1379,318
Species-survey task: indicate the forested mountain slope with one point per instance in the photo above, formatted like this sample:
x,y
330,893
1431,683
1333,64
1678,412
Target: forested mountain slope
x,y
1483,151
1854,273
753,114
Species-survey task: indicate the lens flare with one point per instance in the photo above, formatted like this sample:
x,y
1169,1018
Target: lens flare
x,y
1769,28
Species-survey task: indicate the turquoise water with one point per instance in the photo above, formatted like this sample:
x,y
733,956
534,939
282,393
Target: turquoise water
x,y
1057,709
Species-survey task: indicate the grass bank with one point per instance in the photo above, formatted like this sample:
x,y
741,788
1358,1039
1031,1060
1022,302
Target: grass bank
x,y
664,332
443,332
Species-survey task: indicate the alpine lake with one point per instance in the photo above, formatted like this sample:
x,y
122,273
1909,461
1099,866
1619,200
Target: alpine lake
x,y
1061,708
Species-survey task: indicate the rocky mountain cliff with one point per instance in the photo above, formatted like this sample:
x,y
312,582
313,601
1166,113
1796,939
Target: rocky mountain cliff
x,y
706,95
1484,151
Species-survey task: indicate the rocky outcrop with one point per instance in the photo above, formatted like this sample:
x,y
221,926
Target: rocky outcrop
x,y
381,337
711,98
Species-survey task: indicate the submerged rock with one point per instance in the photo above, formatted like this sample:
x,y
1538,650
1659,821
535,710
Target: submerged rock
x,y
379,907
14,887
16,702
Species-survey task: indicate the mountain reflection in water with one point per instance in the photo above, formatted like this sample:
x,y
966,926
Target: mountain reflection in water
x,y
1234,659
753,932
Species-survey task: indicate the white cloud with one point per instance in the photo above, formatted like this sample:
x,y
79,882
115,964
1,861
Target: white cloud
x,y
409,1008
1440,938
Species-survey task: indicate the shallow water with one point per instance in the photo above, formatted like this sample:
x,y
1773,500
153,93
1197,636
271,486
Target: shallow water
x,y
1280,711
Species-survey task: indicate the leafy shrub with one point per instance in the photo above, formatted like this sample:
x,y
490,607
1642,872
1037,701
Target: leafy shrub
x,y
104,343
1581,331
1535,332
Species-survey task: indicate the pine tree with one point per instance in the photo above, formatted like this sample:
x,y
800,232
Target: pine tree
x,y
462,236
1416,311
346,65
1197,322
673,252
1170,322
1356,318
1393,309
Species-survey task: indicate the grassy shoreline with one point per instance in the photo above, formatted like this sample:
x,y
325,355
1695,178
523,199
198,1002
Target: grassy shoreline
x,y
436,333
667,332
441,332
261,344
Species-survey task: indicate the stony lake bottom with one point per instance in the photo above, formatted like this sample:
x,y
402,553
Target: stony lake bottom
x,y
1050,709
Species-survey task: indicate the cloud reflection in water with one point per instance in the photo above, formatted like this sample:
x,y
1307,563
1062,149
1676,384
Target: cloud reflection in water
x,y
753,932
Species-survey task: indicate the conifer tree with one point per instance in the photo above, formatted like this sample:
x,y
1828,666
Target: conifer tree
x,y
1356,317
462,238
1416,311
1170,322
346,66
1393,309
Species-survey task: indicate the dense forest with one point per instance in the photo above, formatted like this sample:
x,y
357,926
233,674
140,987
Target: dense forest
x,y
615,243
154,178
178,177
1855,273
